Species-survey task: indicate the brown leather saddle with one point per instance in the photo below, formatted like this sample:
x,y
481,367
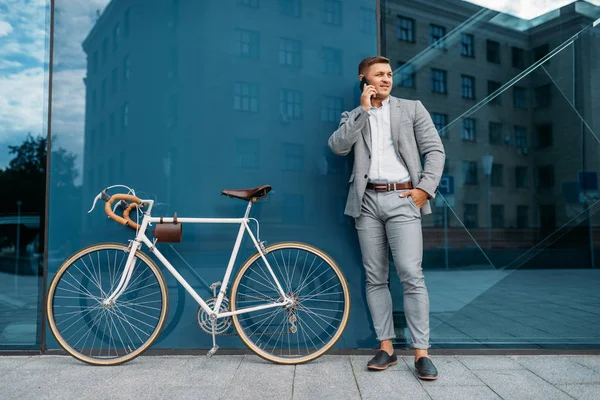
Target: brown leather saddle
x,y
254,194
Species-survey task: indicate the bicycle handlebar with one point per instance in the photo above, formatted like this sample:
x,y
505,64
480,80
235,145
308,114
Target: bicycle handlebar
x,y
125,220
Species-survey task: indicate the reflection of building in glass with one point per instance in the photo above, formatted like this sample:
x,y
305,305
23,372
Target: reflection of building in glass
x,y
451,55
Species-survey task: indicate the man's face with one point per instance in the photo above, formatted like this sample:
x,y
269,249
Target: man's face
x,y
380,76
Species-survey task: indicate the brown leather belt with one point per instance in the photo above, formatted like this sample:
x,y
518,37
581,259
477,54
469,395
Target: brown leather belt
x,y
386,187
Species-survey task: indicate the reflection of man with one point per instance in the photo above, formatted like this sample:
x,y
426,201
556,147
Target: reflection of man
x,y
389,191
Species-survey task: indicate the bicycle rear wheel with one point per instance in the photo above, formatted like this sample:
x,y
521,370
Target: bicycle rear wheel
x,y
304,331
99,334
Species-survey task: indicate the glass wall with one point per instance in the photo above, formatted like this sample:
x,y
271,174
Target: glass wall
x,y
23,142
180,99
511,250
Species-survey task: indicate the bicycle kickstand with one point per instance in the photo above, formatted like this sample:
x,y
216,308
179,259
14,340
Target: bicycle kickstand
x,y
215,347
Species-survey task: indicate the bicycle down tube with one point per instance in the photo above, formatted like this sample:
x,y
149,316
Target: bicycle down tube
x,y
244,227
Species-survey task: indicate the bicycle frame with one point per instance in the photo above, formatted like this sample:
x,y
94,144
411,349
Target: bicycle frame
x,y
141,238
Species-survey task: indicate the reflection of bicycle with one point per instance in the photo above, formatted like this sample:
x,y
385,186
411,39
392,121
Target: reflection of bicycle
x,y
107,304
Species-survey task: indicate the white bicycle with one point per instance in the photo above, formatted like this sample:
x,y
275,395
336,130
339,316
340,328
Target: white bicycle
x,y
107,304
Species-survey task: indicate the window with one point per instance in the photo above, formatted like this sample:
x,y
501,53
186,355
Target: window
x,y
116,37
247,153
368,20
245,97
497,177
332,61
95,62
492,87
541,52
126,69
103,92
114,81
438,81
104,50
248,43
440,121
331,109
293,157
290,52
406,29
439,217
497,216
292,8
468,132
468,87
470,172
249,3
406,75
436,36
290,104
467,45
493,51
522,217
542,96
125,117
332,13
521,181
495,133
546,176
470,216
519,97
547,219
520,137
126,23
518,57
544,136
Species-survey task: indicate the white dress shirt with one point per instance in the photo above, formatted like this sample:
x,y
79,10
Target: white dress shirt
x,y
385,161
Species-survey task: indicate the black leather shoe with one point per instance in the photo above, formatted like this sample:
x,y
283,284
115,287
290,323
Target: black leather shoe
x,y
382,360
426,369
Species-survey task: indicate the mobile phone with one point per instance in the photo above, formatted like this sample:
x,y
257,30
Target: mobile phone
x,y
363,82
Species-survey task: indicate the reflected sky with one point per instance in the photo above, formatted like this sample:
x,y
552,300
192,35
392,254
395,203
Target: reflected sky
x,y
23,64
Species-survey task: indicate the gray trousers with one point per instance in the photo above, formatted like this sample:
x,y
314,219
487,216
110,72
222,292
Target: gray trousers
x,y
389,221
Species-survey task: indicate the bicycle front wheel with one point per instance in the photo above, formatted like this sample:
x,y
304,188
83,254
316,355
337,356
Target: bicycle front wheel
x,y
101,334
312,324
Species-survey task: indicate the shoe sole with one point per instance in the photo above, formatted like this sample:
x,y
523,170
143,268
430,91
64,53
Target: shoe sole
x,y
378,368
427,378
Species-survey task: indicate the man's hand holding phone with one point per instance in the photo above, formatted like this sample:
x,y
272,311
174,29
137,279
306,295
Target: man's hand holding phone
x,y
368,91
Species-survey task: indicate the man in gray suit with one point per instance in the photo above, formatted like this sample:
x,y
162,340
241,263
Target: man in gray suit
x,y
389,191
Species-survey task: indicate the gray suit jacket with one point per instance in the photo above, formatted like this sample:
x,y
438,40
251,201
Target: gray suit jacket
x,y
414,136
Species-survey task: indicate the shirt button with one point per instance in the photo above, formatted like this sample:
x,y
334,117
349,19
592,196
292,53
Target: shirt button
x,y
365,176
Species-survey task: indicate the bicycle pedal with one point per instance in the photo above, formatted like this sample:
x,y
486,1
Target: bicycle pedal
x,y
212,351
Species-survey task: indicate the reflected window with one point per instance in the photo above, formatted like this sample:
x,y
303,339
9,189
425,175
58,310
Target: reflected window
x,y
544,136
492,87
248,43
332,12
292,8
293,157
95,62
245,97
521,177
468,87
547,218
469,133
546,176
332,61
497,216
290,52
249,3
114,81
467,45
368,20
519,97
518,57
94,100
439,217
540,52
126,18
495,133
406,75
446,170
438,81
103,92
112,124
406,29
125,116
522,217
493,51
436,36
126,69
104,50
331,109
247,153
290,104
520,137
440,121
497,177
116,37
543,96
470,172
470,216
